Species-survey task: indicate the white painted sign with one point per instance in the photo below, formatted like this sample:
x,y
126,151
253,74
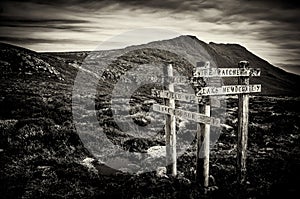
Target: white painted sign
x,y
185,97
226,72
231,89
177,96
197,117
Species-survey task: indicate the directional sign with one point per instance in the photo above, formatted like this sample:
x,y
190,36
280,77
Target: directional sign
x,y
185,97
231,89
197,117
173,95
226,72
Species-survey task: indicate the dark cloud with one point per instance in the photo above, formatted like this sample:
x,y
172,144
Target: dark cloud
x,y
171,5
28,40
7,20
63,24
275,21
265,13
284,4
157,4
168,4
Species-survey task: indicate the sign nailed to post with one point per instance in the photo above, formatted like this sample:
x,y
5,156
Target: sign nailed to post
x,y
185,97
226,72
202,116
177,96
197,117
231,89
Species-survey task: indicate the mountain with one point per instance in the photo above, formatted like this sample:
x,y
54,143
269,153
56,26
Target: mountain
x,y
274,80
43,156
292,68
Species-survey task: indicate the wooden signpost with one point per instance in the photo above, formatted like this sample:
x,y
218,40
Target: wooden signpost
x,y
242,135
226,72
202,116
170,126
232,89
197,117
184,97
203,140
177,96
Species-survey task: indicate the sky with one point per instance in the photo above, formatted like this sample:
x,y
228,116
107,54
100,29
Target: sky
x,y
269,28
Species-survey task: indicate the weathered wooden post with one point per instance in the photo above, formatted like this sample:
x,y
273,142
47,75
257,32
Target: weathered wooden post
x,y
200,140
203,118
203,140
170,126
242,136
206,148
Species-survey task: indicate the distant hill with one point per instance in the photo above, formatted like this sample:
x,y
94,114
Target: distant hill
x,y
274,80
16,61
292,68
42,154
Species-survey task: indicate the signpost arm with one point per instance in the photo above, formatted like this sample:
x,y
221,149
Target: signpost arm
x,y
170,127
242,135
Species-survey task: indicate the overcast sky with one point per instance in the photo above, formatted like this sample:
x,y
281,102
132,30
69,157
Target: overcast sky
x,y
269,28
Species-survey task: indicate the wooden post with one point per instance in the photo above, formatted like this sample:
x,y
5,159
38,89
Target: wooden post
x,y
200,140
206,147
203,141
242,135
170,127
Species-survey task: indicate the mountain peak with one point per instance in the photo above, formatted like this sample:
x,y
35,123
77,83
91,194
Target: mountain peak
x,y
275,81
233,45
189,37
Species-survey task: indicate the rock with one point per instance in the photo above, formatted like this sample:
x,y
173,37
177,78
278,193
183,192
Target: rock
x,y
220,144
157,151
226,126
161,172
88,162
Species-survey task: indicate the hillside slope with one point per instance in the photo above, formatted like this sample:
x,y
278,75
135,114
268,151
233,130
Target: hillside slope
x,y
42,155
274,80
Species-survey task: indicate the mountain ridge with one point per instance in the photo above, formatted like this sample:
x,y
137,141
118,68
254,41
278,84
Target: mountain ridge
x,y
43,154
274,80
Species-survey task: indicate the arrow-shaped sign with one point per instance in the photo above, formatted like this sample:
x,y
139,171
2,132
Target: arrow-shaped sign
x,y
226,72
231,89
197,117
